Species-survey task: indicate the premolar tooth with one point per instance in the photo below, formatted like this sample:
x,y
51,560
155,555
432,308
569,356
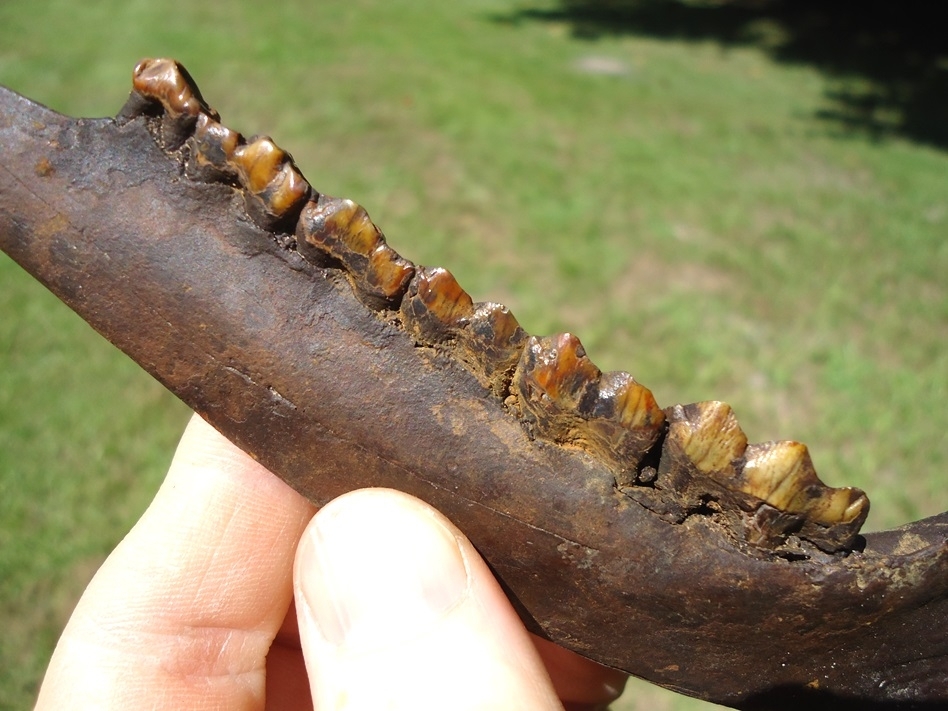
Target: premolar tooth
x,y
495,341
557,370
485,337
565,398
168,83
212,151
275,189
337,229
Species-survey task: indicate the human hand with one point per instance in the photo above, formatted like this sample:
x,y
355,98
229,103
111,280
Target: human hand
x,y
394,607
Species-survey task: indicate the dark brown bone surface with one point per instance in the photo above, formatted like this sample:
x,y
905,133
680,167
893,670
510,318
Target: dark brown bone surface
x,y
656,542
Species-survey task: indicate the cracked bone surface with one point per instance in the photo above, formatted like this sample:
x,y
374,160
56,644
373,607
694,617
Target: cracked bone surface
x,y
720,569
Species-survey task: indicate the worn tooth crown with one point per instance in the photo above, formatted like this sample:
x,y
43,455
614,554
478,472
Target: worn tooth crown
x,y
485,337
165,80
276,188
681,460
437,302
340,230
495,341
557,372
782,474
565,398
774,483
711,436
212,156
166,83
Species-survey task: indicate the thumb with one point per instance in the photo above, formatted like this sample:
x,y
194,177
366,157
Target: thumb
x,y
398,611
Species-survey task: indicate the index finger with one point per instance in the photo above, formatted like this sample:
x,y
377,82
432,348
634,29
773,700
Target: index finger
x,y
183,612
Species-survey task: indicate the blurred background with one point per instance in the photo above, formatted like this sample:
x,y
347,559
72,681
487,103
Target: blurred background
x,y
742,201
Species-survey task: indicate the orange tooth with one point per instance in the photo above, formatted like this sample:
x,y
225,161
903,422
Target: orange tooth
x,y
168,82
635,405
214,146
387,273
562,369
268,172
287,190
342,230
440,292
564,397
258,163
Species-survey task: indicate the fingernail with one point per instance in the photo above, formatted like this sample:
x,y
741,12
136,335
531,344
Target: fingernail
x,y
377,566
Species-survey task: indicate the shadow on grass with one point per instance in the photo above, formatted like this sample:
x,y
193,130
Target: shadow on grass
x,y
889,59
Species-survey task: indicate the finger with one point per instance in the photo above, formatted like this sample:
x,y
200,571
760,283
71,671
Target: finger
x,y
182,613
579,682
398,611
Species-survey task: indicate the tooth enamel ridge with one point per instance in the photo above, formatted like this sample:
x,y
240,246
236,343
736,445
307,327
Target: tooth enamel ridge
x,y
680,461
275,189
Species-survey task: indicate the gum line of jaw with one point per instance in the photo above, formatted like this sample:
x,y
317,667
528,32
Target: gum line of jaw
x,y
677,461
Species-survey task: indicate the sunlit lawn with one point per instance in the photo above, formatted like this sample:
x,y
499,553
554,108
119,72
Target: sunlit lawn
x,y
677,204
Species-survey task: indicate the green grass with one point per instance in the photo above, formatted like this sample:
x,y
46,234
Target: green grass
x,y
688,216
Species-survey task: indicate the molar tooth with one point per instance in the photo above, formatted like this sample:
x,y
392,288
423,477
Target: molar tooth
x,y
276,190
165,80
486,337
558,371
630,403
703,448
783,475
711,437
437,303
565,398
495,341
338,229
388,274
774,484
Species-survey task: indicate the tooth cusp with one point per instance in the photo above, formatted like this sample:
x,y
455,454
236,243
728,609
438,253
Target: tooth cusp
x,y
703,446
711,437
494,341
436,304
165,80
339,230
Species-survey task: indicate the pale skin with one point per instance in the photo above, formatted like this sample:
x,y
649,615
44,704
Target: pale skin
x,y
234,592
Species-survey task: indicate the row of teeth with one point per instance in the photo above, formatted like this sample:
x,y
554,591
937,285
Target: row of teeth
x,y
674,461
